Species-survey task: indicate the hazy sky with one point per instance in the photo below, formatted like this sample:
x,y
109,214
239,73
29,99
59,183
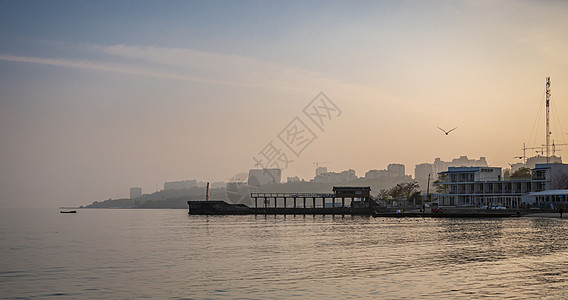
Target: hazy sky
x,y
99,96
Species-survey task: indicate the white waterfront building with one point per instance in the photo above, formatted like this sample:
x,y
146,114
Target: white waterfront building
x,y
484,186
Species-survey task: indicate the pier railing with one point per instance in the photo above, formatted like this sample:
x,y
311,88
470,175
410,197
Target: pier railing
x,y
290,195
301,200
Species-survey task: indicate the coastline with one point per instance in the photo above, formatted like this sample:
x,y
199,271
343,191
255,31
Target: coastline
x,y
554,215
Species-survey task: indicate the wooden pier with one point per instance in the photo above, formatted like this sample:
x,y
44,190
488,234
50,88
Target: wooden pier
x,y
357,197
299,200
344,201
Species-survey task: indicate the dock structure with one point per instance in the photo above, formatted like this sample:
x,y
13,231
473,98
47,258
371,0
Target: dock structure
x,y
307,200
354,201
357,197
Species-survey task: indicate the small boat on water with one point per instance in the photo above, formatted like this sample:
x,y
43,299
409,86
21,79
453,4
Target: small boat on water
x,y
68,211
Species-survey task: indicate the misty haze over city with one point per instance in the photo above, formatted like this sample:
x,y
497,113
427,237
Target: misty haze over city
x,y
99,97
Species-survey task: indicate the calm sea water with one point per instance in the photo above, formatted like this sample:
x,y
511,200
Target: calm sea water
x,y
163,254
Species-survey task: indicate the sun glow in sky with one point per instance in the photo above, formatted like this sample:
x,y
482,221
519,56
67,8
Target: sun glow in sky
x,y
99,96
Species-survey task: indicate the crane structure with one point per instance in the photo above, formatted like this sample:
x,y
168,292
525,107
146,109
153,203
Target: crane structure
x,y
524,156
554,147
537,150
317,163
540,149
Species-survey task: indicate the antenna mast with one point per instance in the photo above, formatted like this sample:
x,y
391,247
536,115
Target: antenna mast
x,y
547,119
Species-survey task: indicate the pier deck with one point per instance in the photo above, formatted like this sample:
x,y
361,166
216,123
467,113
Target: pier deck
x,y
223,208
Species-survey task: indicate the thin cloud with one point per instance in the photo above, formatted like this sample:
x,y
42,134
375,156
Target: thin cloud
x,y
246,71
240,70
108,67
222,69
200,67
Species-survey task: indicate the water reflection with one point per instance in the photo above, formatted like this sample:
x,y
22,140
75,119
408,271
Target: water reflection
x,y
167,254
469,240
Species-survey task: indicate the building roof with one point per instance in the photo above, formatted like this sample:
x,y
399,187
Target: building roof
x,y
351,188
548,165
453,170
459,171
549,193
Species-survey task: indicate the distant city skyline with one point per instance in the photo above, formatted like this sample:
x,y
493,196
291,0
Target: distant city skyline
x,y
98,97
259,176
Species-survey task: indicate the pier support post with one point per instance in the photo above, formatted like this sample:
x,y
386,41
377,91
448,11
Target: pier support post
x,y
284,201
275,202
294,202
314,202
342,201
255,202
304,202
265,202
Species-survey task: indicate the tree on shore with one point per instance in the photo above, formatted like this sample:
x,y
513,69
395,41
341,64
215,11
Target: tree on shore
x,y
404,191
441,188
522,172
559,182
416,197
384,195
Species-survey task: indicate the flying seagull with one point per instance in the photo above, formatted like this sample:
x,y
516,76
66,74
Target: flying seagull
x,y
446,132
